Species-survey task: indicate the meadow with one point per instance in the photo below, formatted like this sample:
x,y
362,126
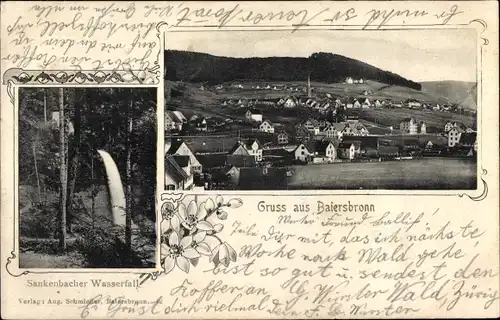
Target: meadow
x,y
425,174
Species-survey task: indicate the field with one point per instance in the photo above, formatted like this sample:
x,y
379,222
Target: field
x,y
427,174
435,121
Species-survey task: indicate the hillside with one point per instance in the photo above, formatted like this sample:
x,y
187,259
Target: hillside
x,y
457,92
322,67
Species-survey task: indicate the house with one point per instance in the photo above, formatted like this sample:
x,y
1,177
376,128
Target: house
x,y
349,80
449,125
468,140
412,103
301,153
423,128
312,125
367,103
180,148
429,145
277,154
174,120
240,161
348,150
176,178
200,124
409,126
254,115
303,134
266,126
251,147
356,104
368,145
282,138
330,131
454,136
290,102
324,151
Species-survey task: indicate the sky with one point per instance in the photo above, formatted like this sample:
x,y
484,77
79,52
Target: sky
x,y
418,55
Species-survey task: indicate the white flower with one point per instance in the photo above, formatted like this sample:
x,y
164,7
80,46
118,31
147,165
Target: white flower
x,y
170,219
200,245
193,216
223,254
178,253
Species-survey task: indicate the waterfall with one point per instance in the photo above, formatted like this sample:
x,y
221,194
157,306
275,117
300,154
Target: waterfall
x,y
116,192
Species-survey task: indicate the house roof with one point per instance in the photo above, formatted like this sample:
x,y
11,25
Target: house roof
x,y
282,153
255,111
213,160
182,161
347,145
468,138
174,146
321,145
240,160
408,119
250,142
256,179
458,128
174,170
236,146
388,150
366,142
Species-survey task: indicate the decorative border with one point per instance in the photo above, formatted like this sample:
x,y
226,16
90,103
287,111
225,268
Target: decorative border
x,y
482,186
127,75
15,77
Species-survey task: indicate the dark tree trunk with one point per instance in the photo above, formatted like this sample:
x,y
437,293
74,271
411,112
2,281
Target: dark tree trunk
x,y
63,173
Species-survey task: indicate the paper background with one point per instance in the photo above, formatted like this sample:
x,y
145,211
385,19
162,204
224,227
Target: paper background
x,y
457,207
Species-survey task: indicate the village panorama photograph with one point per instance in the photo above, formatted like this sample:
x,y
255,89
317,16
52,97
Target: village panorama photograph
x,y
321,110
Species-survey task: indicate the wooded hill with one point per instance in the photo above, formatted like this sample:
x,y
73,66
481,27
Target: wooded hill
x,y
322,67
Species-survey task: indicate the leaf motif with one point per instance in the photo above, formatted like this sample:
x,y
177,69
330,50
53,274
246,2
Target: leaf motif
x,y
235,203
194,261
182,263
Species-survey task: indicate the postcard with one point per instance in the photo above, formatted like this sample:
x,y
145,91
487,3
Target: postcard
x,y
257,160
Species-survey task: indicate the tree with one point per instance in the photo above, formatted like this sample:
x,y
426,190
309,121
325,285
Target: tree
x,y
63,172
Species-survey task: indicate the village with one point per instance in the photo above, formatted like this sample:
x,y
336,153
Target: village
x,y
260,143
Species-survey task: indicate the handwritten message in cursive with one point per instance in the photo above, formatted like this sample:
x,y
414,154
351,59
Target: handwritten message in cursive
x,y
332,259
108,35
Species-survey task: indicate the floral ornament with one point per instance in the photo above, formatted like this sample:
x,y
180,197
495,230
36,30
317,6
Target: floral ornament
x,y
43,78
170,220
178,253
193,216
60,77
198,225
99,76
116,77
80,77
223,254
23,78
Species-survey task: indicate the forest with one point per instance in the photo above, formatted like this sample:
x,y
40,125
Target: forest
x,y
64,186
321,66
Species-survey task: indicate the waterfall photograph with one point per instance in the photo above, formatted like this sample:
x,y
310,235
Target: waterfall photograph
x,y
87,177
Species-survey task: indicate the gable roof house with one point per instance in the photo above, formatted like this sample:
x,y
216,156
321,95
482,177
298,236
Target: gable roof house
x,y
368,145
251,147
454,136
469,140
254,115
266,126
174,120
301,153
312,125
179,147
176,178
324,151
348,150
